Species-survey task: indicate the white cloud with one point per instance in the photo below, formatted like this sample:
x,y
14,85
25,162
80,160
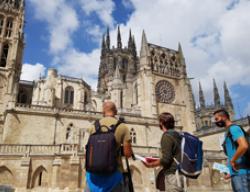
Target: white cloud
x,y
215,40
95,32
128,4
81,65
103,9
32,72
61,19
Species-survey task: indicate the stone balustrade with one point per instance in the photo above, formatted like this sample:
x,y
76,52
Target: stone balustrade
x,y
62,149
33,150
146,151
42,108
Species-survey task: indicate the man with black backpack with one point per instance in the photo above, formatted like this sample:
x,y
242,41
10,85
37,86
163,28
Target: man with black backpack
x,y
170,150
103,152
236,147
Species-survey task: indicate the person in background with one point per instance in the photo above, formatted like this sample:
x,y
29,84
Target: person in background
x,y
170,149
235,146
111,182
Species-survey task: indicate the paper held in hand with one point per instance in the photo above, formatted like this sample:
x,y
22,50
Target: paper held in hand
x,y
221,168
145,159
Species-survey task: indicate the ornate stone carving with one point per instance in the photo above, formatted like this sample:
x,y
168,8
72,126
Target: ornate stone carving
x,y
165,63
165,92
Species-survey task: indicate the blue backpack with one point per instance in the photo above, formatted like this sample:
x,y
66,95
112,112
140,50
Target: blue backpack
x,y
191,160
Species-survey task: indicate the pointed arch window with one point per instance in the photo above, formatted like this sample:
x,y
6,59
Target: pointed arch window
x,y
9,26
85,97
1,23
69,95
136,94
68,133
4,55
17,4
40,178
133,136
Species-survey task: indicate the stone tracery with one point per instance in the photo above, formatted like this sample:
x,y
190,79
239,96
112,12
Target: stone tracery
x,y
165,62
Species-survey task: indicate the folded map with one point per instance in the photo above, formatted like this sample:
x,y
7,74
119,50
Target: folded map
x,y
145,159
221,168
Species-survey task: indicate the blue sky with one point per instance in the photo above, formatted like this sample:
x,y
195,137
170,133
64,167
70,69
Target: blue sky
x,y
66,34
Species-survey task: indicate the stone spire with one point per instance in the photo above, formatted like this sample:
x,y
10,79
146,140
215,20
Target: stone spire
x,y
108,39
216,95
201,97
103,45
227,97
130,41
134,47
119,39
117,82
180,50
144,45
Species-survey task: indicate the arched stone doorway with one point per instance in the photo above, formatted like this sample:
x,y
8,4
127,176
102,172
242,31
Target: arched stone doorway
x,y
6,176
40,178
160,181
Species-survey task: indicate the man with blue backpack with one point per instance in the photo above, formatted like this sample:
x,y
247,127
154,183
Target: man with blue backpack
x,y
104,170
236,147
181,155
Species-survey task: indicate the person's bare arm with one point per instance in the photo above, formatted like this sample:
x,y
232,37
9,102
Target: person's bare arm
x,y
127,149
241,150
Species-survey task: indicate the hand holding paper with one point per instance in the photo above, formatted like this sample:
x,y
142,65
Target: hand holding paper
x,y
146,159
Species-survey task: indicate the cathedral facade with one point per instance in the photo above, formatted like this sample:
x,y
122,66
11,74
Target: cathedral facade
x,y
43,124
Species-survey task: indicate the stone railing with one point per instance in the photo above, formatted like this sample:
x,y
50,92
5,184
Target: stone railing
x,y
42,108
133,111
214,155
62,149
146,151
33,150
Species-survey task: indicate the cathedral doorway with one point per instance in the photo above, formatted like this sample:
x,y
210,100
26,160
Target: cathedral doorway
x,y
160,181
6,176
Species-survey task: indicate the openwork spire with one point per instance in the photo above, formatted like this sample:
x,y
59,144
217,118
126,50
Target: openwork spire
x,y
103,45
130,41
201,97
119,39
108,39
227,97
216,95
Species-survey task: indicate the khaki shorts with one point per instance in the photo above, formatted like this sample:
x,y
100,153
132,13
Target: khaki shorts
x,y
174,183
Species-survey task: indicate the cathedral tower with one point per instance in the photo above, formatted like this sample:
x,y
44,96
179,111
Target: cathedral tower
x,y
11,50
163,85
118,60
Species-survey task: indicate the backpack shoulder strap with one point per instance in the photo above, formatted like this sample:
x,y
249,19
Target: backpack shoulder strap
x,y
113,127
230,136
97,126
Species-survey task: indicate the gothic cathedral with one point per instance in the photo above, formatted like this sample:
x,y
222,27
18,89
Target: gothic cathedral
x,y
44,123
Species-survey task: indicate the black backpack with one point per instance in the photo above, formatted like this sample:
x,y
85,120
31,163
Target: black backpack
x,y
235,144
101,150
